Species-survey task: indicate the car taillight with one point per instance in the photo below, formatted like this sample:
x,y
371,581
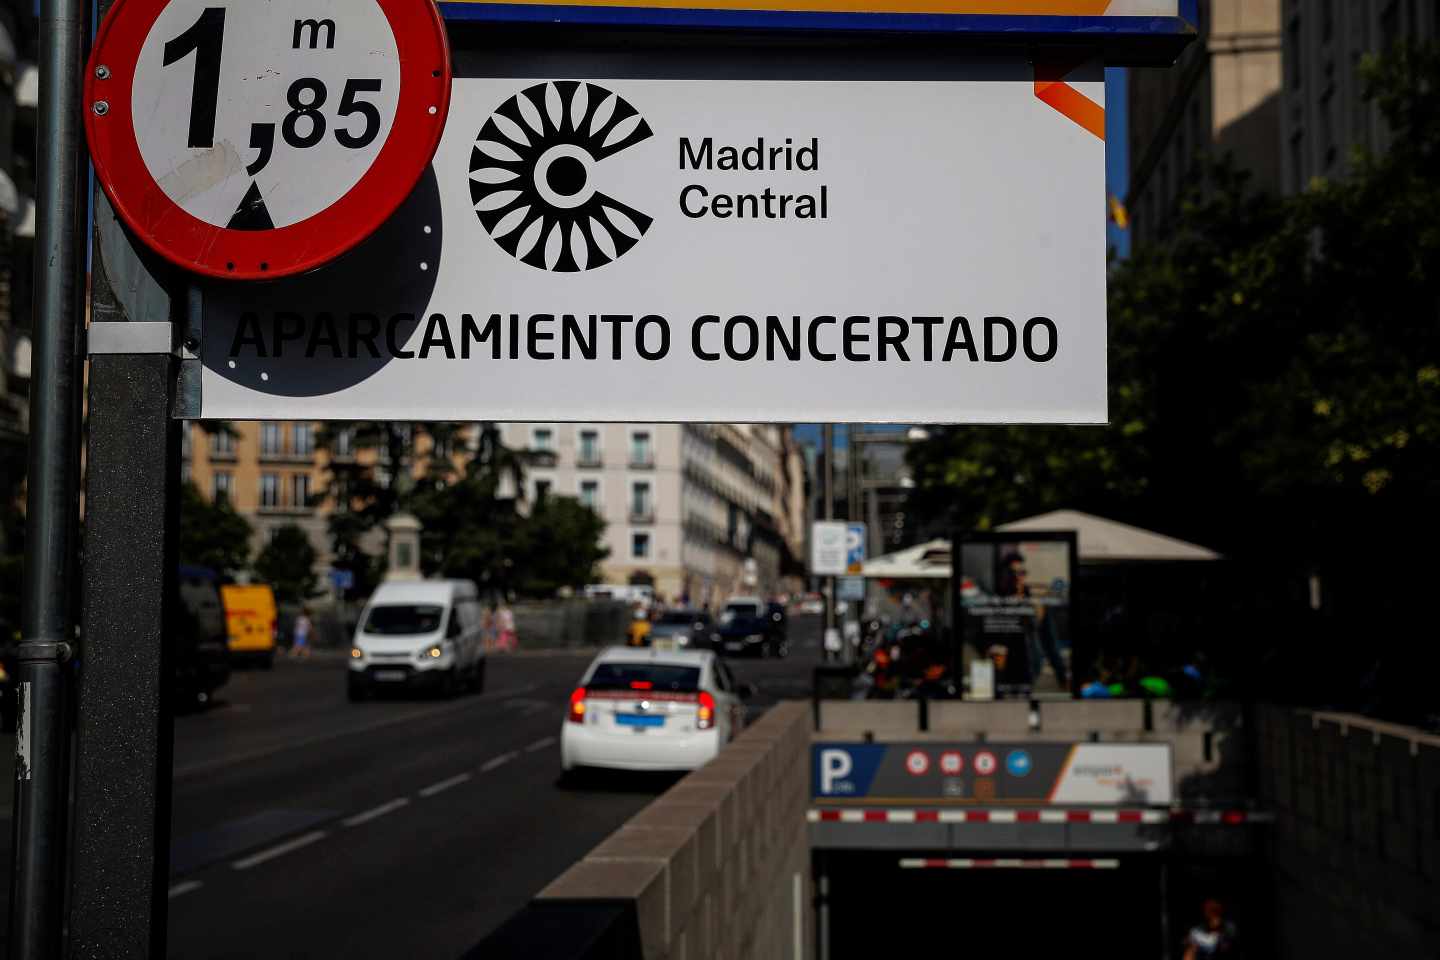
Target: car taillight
x,y
705,716
577,706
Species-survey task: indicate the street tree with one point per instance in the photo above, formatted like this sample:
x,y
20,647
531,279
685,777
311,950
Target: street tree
x,y
212,534
287,563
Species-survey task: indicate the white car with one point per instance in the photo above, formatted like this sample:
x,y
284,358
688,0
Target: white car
x,y
644,709
418,634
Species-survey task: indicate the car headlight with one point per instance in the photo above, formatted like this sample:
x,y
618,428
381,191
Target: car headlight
x,y
755,638
356,653
682,640
434,653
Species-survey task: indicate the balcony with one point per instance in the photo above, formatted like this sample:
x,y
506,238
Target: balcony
x,y
281,455
642,460
589,459
642,516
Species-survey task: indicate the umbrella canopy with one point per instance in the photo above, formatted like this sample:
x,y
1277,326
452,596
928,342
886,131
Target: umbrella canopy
x,y
928,561
1107,541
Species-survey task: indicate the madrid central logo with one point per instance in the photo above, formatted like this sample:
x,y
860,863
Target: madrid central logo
x,y
532,176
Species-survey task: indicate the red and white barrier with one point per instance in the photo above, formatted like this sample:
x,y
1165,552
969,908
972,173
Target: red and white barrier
x,y
1006,863
909,815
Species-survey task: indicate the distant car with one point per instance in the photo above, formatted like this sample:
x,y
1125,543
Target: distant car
x,y
813,604
683,629
419,634
651,710
201,657
746,629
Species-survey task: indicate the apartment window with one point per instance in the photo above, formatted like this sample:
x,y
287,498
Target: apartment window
x,y
1297,161
300,490
303,435
589,447
542,438
272,439
640,506
344,443
542,489
269,490
440,445
590,494
640,545
641,452
222,444
222,486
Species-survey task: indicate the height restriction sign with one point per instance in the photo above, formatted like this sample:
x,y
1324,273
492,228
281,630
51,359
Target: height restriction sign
x,y
249,140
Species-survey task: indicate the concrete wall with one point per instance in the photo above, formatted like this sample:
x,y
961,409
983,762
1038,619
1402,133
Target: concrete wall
x,y
1355,845
718,866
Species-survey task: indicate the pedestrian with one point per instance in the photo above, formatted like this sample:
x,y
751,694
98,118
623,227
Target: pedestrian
x,y
487,628
300,635
505,628
1215,937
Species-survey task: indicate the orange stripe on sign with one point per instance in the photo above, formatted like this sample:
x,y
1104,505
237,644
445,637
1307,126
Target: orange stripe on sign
x,y
1052,90
1092,8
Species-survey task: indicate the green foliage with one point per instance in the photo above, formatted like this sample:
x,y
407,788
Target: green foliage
x,y
212,535
287,563
471,532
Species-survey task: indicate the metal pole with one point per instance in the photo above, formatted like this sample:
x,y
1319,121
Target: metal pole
x,y
827,494
52,500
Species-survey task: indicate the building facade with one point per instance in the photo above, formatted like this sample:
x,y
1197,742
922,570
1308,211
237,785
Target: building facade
x,y
1324,114
700,511
271,472
1222,98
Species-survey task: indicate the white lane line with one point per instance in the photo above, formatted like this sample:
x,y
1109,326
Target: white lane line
x,y
374,813
264,856
446,784
188,886
499,761
540,744
407,716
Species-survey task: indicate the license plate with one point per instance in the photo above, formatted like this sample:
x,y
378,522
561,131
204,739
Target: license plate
x,y
733,645
663,643
638,720
390,676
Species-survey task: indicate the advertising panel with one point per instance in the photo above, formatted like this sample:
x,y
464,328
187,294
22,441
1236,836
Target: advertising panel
x,y
1013,595
930,772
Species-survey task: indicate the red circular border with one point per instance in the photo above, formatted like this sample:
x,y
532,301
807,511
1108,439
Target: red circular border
x,y
215,251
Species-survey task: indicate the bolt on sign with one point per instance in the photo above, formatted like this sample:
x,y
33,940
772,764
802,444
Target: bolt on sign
x,y
841,243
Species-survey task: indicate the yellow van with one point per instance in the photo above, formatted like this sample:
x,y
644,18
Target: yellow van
x,y
250,622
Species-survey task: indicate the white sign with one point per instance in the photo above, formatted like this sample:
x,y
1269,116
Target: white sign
x,y
828,550
609,250
1131,773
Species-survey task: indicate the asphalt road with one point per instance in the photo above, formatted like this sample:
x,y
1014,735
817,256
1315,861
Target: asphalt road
x,y
307,826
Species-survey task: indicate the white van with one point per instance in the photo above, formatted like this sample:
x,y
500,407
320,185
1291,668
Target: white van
x,y
419,634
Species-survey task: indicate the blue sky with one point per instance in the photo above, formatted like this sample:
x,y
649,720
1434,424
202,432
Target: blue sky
x,y
1117,149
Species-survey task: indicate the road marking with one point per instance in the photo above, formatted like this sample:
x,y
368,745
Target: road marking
x,y
264,856
188,886
374,813
540,744
290,743
446,784
499,761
